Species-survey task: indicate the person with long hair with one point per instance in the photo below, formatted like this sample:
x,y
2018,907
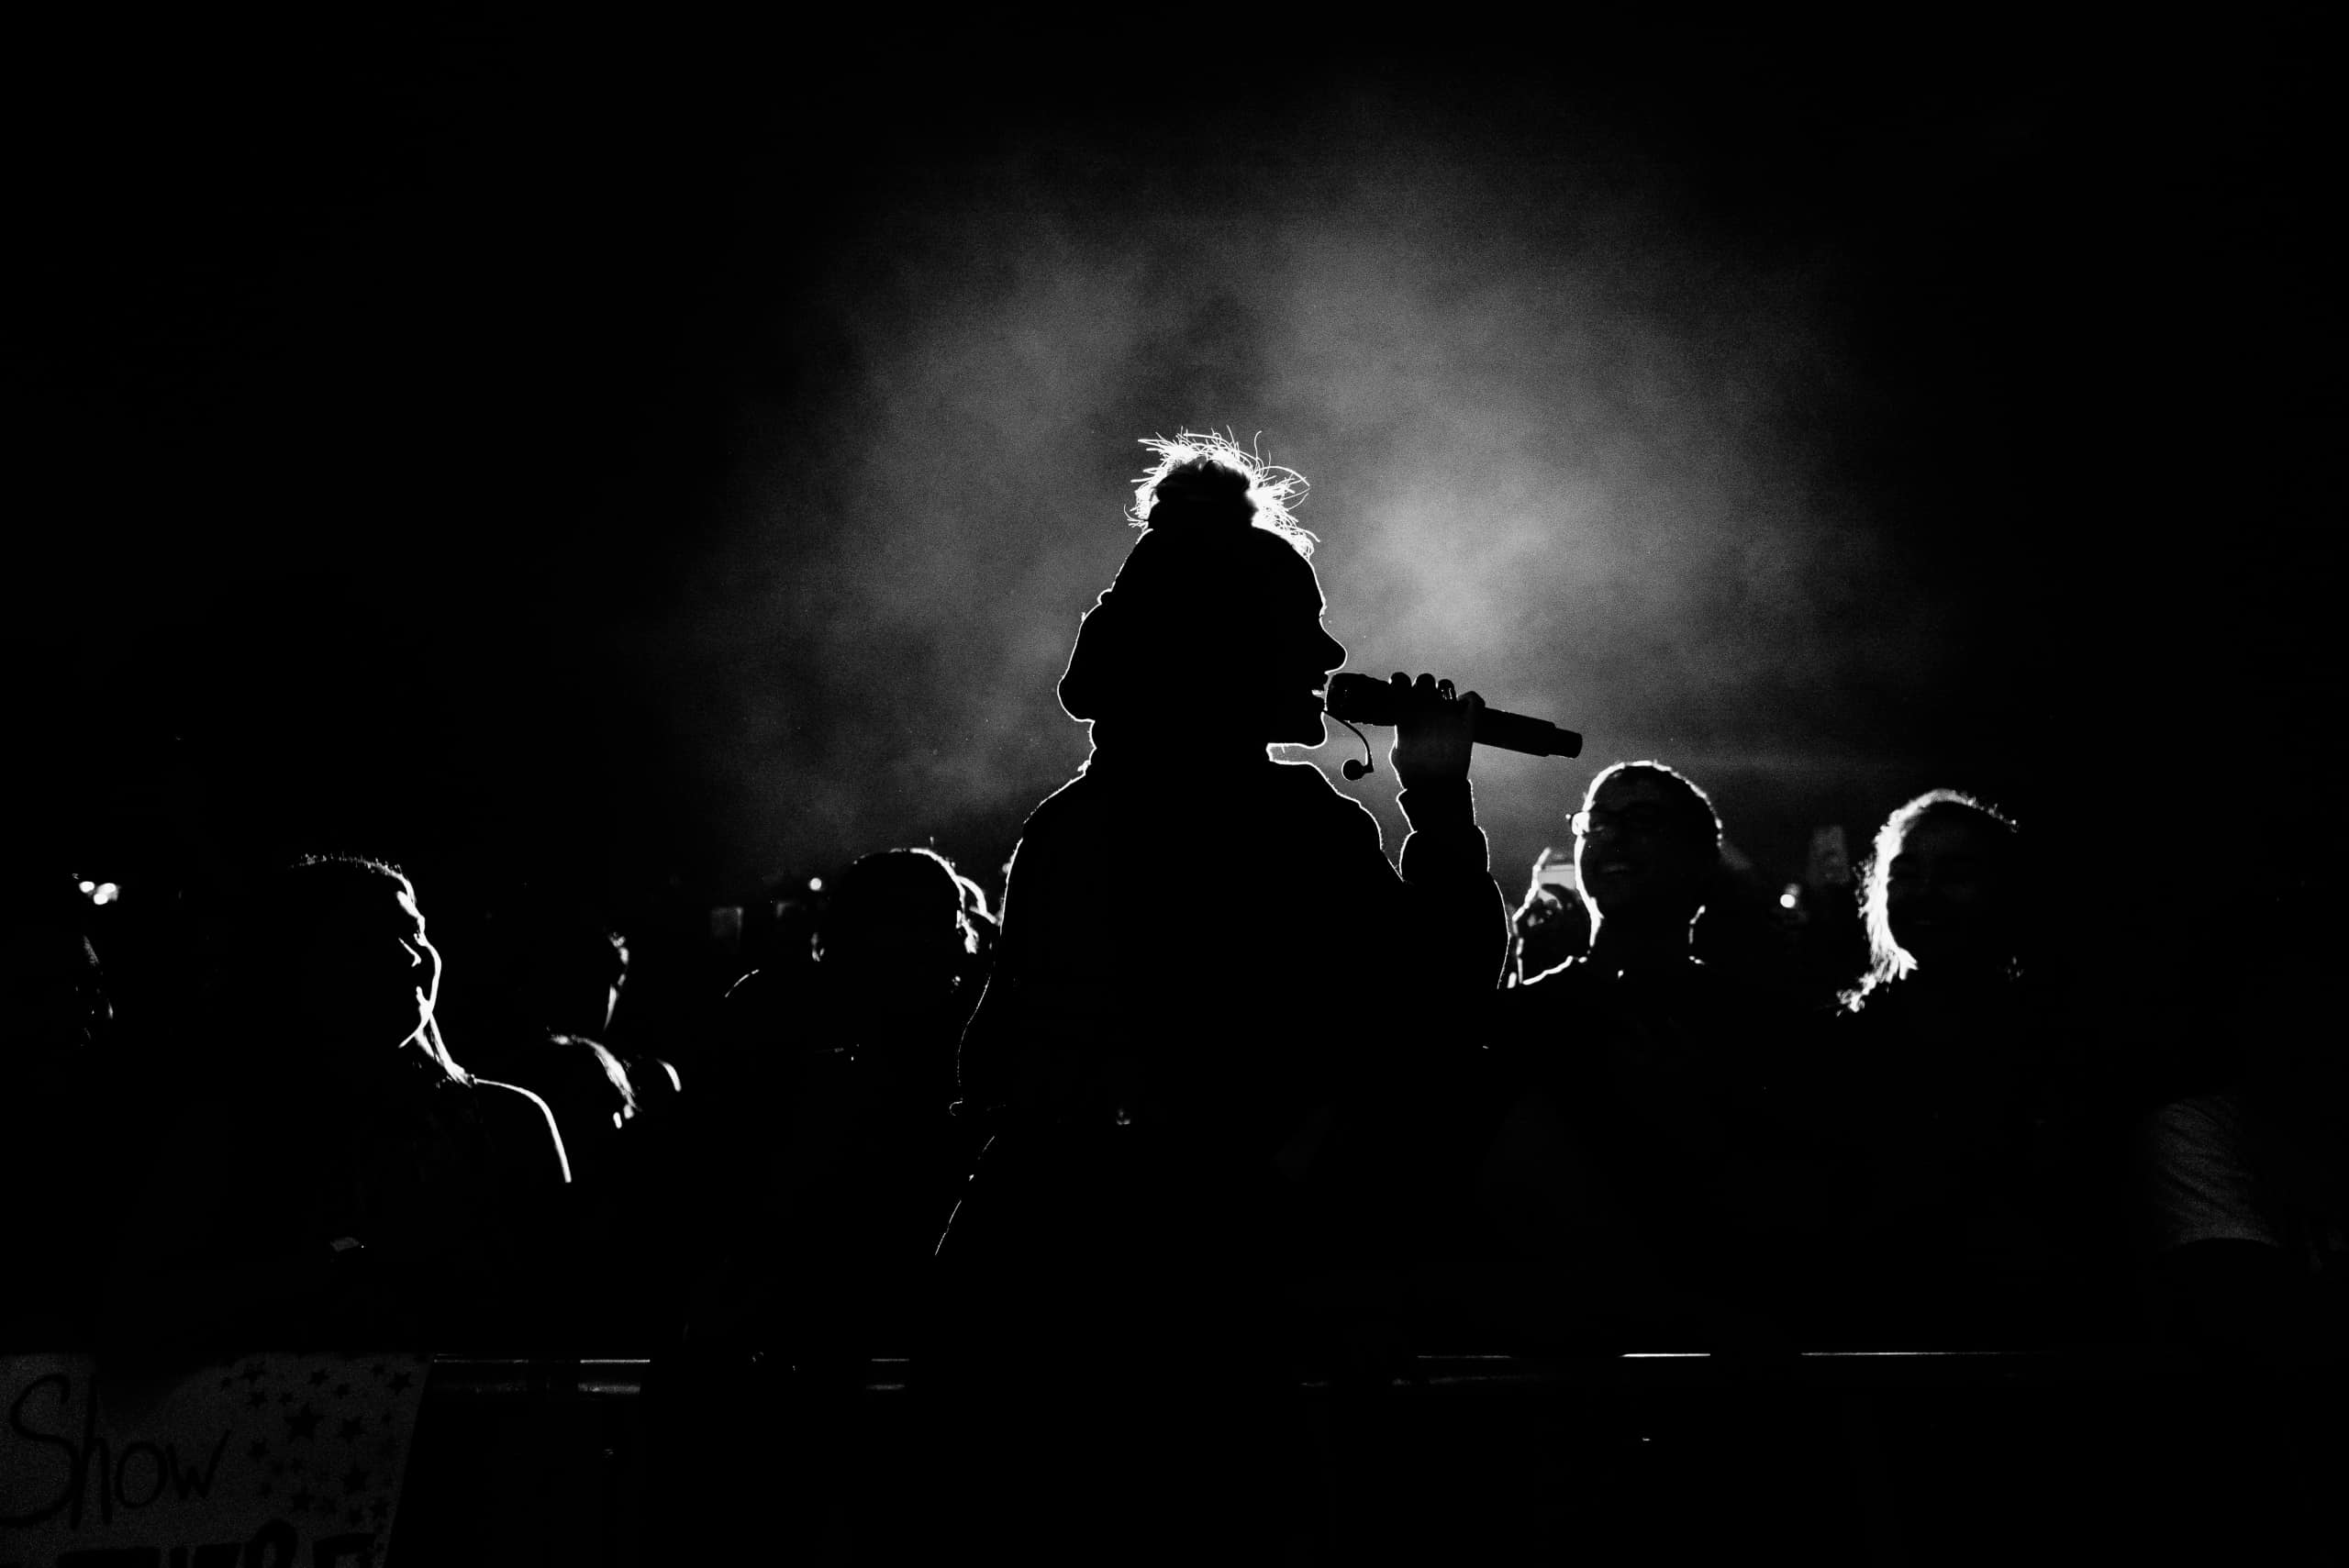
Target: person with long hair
x,y
345,1184
1190,1135
1962,1095
1940,900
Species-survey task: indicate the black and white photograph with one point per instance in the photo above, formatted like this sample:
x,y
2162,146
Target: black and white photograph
x,y
1168,787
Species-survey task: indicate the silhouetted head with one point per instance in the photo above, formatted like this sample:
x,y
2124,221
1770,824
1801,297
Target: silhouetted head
x,y
570,972
1937,891
895,931
359,981
1647,847
1215,620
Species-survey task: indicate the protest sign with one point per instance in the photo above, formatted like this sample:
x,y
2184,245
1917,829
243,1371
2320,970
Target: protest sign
x,y
266,1461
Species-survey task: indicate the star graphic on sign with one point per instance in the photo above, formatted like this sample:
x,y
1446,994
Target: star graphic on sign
x,y
400,1382
350,1428
302,1423
354,1480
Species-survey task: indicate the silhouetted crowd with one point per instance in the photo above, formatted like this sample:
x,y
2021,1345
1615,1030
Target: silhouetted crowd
x,y
1106,1172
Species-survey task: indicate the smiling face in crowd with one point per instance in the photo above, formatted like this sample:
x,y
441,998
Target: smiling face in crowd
x,y
1644,854
1946,894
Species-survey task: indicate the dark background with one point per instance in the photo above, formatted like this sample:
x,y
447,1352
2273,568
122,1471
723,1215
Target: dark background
x,y
662,464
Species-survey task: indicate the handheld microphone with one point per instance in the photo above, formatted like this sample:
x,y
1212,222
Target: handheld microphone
x,y
1365,699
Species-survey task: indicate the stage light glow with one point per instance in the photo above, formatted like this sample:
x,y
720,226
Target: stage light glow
x,y
1788,899
105,893
1550,465
89,887
815,885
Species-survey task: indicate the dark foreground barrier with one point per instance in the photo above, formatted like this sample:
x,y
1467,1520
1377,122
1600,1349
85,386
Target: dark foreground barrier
x,y
1878,1458
272,1461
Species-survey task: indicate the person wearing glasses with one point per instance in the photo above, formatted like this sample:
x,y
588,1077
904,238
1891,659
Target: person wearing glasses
x,y
1647,850
1620,1187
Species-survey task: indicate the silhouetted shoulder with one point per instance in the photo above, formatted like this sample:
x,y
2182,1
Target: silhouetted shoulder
x,y
522,1133
1531,1012
1560,979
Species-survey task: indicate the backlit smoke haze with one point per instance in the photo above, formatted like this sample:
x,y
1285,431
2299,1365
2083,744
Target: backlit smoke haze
x,y
1564,448
647,465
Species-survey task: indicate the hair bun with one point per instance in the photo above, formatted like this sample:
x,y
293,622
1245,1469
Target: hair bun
x,y
1202,493
1207,483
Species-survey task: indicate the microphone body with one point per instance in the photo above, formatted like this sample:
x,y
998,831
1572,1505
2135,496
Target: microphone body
x,y
1365,699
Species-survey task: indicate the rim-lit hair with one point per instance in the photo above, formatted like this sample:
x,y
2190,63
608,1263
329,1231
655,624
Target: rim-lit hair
x,y
897,880
1270,489
1887,960
1699,805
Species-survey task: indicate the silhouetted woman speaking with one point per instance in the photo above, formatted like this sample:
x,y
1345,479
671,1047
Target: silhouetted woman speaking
x,y
1213,1000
